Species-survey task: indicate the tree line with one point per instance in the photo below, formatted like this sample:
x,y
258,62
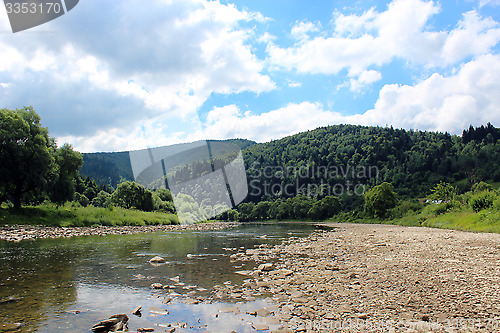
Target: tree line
x,y
34,170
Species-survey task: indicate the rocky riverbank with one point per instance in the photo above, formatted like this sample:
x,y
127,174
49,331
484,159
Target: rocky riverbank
x,y
376,278
18,233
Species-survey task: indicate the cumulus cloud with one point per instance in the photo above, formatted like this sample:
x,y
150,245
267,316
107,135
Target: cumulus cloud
x,y
364,79
230,122
301,30
489,2
376,38
442,103
103,67
438,103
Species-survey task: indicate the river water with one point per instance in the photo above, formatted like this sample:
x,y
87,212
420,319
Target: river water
x,y
69,284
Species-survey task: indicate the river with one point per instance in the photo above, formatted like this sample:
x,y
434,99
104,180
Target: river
x,y
69,284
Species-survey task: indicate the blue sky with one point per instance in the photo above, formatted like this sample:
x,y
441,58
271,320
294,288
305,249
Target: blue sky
x,y
121,75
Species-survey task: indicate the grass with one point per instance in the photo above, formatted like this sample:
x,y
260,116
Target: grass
x,y
435,216
71,216
484,221
487,220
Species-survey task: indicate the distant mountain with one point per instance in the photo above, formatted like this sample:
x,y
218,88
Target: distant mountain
x,y
111,168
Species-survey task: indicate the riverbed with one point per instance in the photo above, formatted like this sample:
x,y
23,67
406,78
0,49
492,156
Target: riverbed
x,y
69,284
266,277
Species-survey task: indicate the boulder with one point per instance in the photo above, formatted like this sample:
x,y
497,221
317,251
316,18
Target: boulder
x,y
265,267
157,286
157,260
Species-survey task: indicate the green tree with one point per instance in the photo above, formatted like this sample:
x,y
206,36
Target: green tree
x,y
380,199
443,191
132,195
325,208
481,186
482,200
68,162
26,153
261,210
164,194
82,199
103,199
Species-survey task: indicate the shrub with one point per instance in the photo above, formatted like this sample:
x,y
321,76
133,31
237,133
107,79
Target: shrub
x,y
482,200
82,199
132,195
380,199
405,208
103,199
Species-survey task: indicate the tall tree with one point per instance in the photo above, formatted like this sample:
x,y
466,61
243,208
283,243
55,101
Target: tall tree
x,y
380,199
26,153
68,162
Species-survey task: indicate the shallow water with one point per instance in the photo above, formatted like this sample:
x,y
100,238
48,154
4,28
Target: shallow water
x,y
43,282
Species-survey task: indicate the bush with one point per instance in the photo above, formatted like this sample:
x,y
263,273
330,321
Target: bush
x,y
132,195
379,200
82,199
406,208
481,187
482,200
103,199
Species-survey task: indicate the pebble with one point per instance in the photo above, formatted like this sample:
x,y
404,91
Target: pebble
x,y
16,233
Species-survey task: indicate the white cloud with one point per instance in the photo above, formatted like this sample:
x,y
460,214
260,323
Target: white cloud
x,y
489,2
364,79
230,122
376,38
105,69
442,103
473,35
266,38
301,30
294,84
438,103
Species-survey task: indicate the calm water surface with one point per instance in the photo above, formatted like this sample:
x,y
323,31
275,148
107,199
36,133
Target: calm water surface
x,y
42,282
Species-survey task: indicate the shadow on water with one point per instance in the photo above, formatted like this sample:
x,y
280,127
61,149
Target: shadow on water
x,y
45,282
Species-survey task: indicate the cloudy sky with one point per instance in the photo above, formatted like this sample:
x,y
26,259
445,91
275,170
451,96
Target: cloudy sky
x,y
129,74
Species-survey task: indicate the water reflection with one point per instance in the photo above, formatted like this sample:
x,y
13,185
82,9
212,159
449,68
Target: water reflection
x,y
43,281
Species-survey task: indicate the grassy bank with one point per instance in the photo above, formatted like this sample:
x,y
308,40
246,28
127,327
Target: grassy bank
x,y
465,220
483,221
70,216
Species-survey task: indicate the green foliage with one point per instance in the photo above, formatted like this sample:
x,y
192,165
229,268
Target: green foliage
x,y
380,199
232,215
103,199
405,208
82,199
26,152
69,216
68,162
132,195
188,209
443,192
481,186
482,200
164,194
107,169
325,208
467,221
261,211
438,209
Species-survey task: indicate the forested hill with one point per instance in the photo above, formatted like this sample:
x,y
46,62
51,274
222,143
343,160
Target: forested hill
x,y
341,156
413,161
111,168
